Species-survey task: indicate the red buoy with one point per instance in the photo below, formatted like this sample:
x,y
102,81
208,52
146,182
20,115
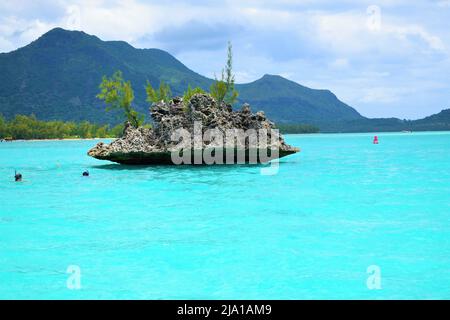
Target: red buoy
x,y
375,140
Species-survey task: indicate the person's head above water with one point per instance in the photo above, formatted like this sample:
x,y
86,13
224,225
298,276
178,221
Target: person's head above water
x,y
86,173
17,176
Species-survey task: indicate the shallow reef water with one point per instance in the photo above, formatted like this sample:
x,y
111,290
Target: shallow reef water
x,y
309,231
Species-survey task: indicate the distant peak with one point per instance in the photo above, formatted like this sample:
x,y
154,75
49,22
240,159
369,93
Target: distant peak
x,y
60,32
268,78
60,35
271,76
57,29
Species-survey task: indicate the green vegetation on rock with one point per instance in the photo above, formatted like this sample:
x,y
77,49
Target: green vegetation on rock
x,y
164,93
223,90
118,95
190,92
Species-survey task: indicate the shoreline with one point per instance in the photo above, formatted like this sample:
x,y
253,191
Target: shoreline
x,y
306,134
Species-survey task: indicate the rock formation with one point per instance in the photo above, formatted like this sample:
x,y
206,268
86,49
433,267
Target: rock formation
x,y
203,120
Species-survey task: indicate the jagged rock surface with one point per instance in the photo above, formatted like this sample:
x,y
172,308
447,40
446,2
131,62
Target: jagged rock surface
x,y
147,146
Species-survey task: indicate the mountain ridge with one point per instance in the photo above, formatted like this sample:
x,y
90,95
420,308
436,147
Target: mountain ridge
x,y
56,77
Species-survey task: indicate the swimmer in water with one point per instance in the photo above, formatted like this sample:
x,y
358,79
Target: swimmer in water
x,y
86,173
17,176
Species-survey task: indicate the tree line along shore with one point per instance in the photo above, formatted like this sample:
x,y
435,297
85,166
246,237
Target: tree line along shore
x,y
23,127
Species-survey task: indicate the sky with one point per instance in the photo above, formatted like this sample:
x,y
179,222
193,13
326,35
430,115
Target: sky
x,y
385,58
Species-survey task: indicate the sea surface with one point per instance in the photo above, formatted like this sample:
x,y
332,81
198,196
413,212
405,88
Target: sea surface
x,y
312,230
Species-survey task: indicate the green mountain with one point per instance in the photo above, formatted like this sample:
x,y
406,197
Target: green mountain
x,y
436,122
286,101
57,77
439,121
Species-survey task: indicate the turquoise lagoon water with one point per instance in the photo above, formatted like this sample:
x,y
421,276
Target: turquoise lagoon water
x,y
308,232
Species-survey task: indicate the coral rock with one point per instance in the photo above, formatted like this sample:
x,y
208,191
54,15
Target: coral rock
x,y
154,146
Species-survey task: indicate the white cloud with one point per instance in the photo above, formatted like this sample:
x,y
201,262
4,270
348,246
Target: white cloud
x,y
403,32
349,33
444,4
19,32
244,76
339,63
6,45
382,94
